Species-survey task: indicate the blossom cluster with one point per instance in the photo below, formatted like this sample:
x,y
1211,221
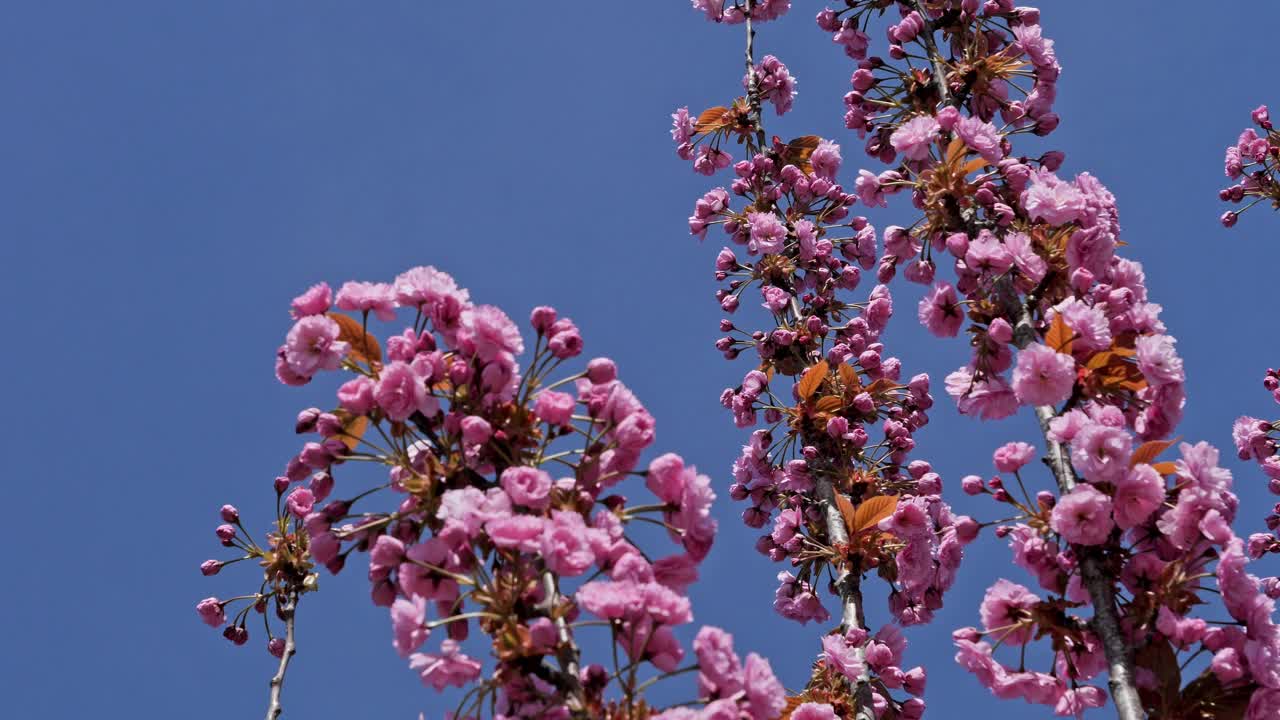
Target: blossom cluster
x,y
1058,322
830,471
733,12
1259,440
503,490
1253,165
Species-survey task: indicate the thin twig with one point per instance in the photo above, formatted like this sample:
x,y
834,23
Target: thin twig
x,y
935,58
287,610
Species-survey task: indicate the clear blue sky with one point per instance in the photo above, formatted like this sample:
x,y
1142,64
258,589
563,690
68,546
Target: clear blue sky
x,y
171,174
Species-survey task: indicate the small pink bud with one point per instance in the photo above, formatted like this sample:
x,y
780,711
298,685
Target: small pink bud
x,y
226,533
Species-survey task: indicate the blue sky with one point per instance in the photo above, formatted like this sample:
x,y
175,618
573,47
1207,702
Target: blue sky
x,y
173,173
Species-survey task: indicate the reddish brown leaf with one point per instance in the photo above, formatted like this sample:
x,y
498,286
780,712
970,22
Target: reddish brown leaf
x,y
1100,360
882,385
798,151
1059,336
1166,468
973,165
828,404
364,347
849,378
1148,451
713,119
873,510
353,430
812,379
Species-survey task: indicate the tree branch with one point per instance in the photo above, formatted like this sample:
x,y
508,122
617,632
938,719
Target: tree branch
x,y
935,58
849,585
753,83
1106,623
567,652
287,611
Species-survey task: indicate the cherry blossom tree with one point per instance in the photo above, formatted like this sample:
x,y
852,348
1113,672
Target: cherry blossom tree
x,y
503,467
1130,550
499,511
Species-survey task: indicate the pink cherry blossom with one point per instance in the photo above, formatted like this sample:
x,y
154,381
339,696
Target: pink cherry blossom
x,y
312,345
378,298
315,301
449,667
913,138
1043,376
813,711
1083,516
1006,612
1012,456
1139,493
408,618
527,486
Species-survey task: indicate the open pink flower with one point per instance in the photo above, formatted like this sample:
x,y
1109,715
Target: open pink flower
x,y
1083,516
913,137
408,618
527,486
312,345
488,332
449,667
1006,612
719,672
378,298
940,311
566,546
1139,493
1010,457
1043,376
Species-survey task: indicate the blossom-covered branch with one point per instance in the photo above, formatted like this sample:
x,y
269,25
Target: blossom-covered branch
x,y
831,467
478,532
1059,323
1254,163
1036,271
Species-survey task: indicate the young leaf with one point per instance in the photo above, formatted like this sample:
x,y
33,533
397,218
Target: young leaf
x,y
973,166
713,119
849,378
1150,450
364,347
353,430
873,510
882,385
1166,467
798,151
828,404
1100,360
1059,335
812,379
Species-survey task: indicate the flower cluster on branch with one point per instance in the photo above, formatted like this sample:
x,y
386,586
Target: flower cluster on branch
x,y
1128,548
502,508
